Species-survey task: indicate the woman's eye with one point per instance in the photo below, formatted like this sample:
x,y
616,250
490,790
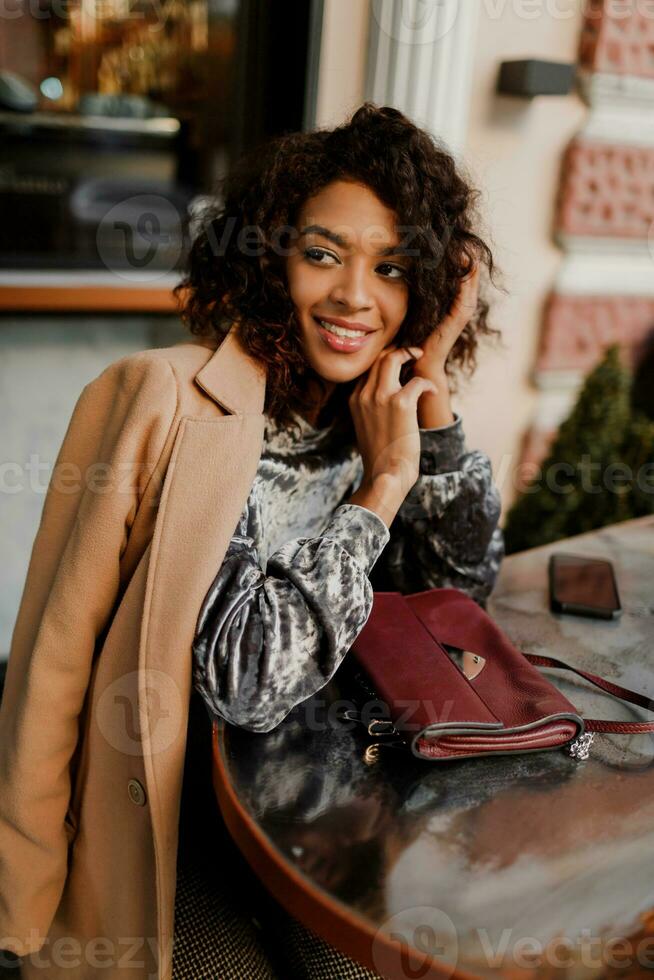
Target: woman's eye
x,y
317,254
397,269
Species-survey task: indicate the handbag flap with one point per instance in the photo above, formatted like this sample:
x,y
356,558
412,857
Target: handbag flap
x,y
512,688
414,675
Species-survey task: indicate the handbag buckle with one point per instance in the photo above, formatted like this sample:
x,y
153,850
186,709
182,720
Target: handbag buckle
x,y
580,747
372,753
376,727
381,726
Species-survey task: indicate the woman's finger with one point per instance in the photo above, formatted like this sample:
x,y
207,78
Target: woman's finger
x,y
466,301
446,332
388,381
373,371
414,388
473,273
356,391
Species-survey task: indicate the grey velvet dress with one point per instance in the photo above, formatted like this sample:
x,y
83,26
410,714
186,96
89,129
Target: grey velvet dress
x,y
289,599
296,584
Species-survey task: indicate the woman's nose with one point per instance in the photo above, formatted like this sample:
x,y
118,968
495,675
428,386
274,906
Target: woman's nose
x,y
353,289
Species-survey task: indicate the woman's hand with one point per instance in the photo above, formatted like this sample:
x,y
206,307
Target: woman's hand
x,y
435,410
442,339
385,416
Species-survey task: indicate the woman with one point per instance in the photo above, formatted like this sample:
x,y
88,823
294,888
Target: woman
x,y
339,502
255,484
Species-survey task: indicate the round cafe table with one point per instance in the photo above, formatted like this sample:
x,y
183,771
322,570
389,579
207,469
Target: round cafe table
x,y
510,866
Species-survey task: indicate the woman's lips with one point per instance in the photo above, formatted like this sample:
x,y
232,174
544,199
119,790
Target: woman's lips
x,y
345,345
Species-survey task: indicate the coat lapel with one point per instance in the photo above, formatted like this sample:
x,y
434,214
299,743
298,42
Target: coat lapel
x,y
209,476
233,378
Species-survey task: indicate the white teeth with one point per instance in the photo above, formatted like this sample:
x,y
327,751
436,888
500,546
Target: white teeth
x,y
341,331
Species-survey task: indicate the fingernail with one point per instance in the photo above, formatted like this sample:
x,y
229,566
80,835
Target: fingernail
x,y
416,351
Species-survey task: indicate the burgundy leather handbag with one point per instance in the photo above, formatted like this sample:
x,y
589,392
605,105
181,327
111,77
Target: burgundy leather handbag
x,y
456,687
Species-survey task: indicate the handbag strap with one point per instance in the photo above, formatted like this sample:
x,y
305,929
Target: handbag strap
x,y
599,724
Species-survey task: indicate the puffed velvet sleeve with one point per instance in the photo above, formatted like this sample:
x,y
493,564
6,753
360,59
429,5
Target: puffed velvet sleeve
x,y
446,532
267,640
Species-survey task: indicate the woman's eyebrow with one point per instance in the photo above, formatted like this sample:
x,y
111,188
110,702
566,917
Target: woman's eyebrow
x,y
333,236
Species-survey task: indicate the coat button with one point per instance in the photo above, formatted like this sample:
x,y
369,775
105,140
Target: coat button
x,y
136,792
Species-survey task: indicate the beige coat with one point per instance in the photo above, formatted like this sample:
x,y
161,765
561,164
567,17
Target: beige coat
x,y
152,476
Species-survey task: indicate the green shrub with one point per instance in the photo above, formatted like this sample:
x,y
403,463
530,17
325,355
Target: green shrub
x,y
599,470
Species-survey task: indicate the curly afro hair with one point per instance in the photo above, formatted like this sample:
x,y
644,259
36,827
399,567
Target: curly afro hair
x,y
236,263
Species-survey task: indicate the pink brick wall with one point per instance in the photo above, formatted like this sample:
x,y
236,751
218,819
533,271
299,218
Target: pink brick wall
x,y
577,329
607,189
618,38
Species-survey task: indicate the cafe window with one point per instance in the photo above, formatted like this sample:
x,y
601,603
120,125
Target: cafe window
x,y
114,112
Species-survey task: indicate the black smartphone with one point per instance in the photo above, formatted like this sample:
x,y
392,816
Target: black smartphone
x,y
583,586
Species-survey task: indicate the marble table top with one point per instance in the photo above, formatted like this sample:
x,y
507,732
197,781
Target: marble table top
x,y
515,866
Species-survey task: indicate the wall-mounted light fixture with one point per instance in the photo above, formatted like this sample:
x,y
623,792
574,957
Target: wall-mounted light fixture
x,y
533,77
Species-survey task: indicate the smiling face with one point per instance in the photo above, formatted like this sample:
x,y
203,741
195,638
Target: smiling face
x,y
346,271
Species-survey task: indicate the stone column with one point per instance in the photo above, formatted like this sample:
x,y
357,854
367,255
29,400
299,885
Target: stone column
x,y
420,59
